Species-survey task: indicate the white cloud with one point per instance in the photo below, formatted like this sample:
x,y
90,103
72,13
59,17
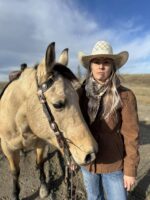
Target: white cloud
x,y
139,48
27,27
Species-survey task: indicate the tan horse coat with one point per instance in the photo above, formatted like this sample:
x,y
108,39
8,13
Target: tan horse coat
x,y
23,123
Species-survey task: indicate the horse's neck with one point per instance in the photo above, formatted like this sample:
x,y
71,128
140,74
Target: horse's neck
x,y
26,83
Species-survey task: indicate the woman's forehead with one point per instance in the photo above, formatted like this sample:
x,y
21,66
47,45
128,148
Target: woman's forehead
x,y
101,59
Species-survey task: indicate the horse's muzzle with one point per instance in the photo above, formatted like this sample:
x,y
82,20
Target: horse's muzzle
x,y
89,158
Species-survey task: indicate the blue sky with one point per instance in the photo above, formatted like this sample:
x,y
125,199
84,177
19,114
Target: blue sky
x,y
27,27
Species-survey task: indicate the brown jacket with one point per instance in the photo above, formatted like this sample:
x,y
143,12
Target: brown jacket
x,y
118,142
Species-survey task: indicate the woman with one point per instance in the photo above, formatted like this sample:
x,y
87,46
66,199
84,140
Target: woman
x,y
110,111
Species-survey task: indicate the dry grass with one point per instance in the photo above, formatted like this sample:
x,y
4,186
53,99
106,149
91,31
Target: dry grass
x,y
2,84
140,84
136,79
142,94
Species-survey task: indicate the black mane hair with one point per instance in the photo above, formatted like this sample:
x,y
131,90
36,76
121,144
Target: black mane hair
x,y
68,74
36,66
62,70
65,72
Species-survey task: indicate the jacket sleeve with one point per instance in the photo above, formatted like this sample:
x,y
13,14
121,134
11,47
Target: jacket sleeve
x,y
130,132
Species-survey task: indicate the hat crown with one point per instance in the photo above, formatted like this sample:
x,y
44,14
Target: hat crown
x,y
102,47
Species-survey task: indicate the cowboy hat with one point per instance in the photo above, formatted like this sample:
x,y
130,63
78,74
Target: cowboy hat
x,y
103,49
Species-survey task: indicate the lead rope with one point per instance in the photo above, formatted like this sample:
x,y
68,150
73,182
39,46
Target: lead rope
x,y
69,180
70,172
71,166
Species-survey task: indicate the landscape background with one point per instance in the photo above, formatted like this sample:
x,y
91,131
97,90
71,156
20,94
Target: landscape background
x,y
28,27
54,164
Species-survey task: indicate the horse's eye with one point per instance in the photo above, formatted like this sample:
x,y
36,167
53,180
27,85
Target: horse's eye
x,y
59,105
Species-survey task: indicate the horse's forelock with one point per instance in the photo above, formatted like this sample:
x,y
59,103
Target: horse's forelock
x,y
62,70
68,74
65,72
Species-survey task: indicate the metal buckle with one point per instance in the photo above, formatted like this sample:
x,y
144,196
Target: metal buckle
x,y
53,125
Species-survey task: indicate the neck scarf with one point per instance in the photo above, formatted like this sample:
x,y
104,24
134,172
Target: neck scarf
x,y
94,92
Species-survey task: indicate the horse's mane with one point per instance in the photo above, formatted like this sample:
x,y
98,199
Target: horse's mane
x,y
13,75
59,68
68,74
3,90
65,72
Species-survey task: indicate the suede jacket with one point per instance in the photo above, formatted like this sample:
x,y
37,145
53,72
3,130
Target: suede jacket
x,y
118,140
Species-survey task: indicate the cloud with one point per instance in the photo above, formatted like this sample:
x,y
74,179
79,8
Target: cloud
x,y
27,30
139,48
27,27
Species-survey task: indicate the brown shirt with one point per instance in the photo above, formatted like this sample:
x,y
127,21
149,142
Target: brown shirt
x,y
118,140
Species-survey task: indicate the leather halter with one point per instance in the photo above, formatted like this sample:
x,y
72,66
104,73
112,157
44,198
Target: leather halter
x,y
59,135
71,166
41,90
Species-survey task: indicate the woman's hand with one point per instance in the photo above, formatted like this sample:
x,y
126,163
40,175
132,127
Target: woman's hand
x,y
128,182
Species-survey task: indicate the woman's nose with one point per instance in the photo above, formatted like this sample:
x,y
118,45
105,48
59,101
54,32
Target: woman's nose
x,y
101,65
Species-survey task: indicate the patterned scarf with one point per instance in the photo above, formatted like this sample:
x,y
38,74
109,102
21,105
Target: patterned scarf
x,y
94,92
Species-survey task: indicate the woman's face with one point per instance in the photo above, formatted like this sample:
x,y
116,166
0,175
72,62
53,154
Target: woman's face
x,y
101,68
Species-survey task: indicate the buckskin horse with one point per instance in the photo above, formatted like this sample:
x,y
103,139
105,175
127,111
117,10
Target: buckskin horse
x,y
23,123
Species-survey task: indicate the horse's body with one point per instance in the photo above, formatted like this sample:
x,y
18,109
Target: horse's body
x,y
24,124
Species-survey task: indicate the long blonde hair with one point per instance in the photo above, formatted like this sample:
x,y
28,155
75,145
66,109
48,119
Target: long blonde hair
x,y
112,100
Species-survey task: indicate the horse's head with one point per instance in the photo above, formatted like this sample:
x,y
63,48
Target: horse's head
x,y
63,101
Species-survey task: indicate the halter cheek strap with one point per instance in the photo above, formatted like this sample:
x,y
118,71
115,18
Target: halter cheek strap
x,y
71,166
41,90
59,135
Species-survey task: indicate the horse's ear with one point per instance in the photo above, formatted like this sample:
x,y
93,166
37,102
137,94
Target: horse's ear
x,y
46,65
50,56
63,59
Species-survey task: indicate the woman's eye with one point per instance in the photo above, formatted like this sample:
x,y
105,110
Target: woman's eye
x,y
59,104
96,62
106,62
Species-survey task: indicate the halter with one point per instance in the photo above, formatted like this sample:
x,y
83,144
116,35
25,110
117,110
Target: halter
x,y
71,164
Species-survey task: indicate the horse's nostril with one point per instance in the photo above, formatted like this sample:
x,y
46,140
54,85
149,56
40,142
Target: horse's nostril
x,y
90,157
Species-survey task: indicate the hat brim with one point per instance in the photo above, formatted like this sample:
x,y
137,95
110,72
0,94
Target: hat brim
x,y
119,59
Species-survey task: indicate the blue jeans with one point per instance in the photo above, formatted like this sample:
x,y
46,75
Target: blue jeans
x,y
97,184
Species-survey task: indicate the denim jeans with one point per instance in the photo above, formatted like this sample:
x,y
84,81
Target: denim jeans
x,y
110,183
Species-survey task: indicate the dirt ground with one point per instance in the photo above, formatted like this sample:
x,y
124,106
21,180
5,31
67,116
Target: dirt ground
x,y
54,163
29,177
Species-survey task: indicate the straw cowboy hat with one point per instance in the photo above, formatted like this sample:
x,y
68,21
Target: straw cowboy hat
x,y
103,49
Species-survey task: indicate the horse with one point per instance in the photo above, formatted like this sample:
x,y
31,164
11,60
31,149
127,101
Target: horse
x,y
25,124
